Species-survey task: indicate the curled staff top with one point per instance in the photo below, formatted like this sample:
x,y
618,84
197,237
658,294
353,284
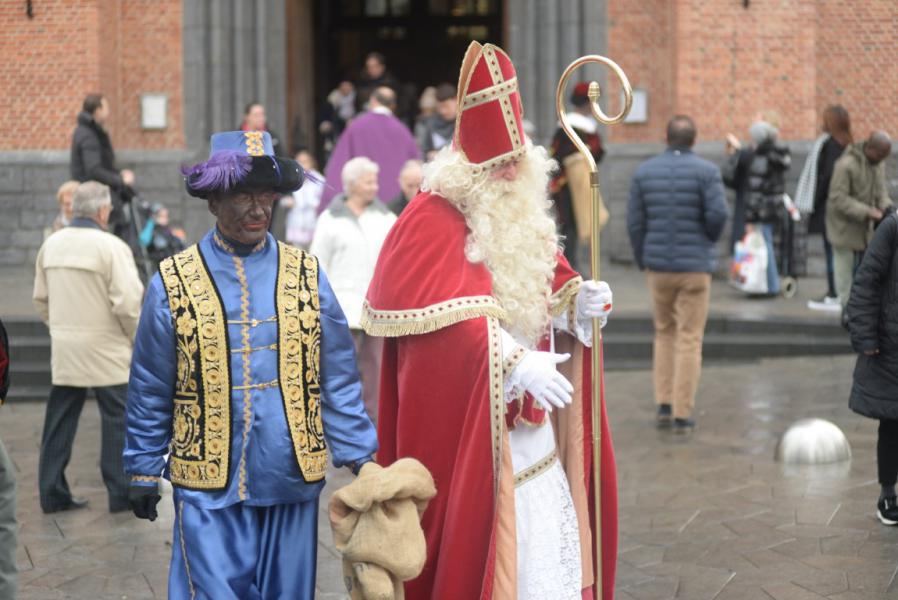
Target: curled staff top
x,y
594,93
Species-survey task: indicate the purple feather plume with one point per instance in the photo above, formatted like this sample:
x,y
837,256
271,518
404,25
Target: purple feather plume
x,y
310,177
223,171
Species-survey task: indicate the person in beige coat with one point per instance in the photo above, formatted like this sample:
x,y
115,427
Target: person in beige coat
x,y
87,291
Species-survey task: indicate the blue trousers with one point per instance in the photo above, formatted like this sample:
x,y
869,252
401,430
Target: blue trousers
x,y
244,552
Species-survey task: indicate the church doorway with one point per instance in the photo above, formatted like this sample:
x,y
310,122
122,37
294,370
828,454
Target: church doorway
x,y
423,42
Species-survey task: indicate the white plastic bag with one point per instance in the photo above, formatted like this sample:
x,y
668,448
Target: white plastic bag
x,y
749,269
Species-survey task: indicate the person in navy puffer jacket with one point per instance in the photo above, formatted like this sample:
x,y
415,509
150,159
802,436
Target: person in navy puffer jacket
x,y
676,214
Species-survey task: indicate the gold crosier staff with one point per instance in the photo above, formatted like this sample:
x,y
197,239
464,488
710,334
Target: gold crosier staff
x,y
595,263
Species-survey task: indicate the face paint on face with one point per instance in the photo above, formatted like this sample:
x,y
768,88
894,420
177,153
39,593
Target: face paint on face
x,y
244,216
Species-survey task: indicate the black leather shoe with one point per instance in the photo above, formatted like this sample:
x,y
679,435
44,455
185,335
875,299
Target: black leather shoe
x,y
72,504
683,425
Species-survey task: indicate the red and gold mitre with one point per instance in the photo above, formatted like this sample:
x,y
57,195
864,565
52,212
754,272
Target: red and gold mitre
x,y
489,127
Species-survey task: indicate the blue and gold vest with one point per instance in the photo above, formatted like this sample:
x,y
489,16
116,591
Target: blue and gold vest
x,y
201,420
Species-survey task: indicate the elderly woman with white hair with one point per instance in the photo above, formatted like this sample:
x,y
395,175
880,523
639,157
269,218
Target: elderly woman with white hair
x,y
347,242
758,174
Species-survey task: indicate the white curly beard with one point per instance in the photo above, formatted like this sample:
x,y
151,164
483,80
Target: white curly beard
x,y
511,230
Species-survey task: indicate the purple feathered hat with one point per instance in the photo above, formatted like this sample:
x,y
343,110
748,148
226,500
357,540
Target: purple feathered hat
x,y
242,160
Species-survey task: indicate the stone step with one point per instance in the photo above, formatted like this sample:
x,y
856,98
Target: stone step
x,y
29,373
625,323
25,327
626,346
29,349
28,393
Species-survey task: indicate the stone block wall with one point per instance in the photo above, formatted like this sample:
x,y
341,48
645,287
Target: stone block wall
x,y
28,184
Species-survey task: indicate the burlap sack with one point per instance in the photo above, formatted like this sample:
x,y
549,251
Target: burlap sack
x,y
376,525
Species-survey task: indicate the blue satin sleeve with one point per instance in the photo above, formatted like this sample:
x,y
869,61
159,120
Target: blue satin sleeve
x,y
349,432
148,414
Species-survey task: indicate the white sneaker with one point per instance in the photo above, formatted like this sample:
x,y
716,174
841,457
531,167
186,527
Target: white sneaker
x,y
826,304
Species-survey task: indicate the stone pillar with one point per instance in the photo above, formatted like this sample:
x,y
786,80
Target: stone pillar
x,y
544,36
234,53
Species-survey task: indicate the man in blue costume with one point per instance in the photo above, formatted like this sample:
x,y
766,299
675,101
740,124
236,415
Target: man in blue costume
x,y
244,370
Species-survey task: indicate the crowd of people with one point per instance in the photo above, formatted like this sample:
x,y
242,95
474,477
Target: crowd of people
x,y
677,213
436,242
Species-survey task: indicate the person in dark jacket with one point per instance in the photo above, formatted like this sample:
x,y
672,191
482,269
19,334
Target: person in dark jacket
x,y
758,174
873,324
676,214
437,130
93,159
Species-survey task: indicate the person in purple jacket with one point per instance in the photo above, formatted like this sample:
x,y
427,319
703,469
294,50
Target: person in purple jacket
x,y
378,135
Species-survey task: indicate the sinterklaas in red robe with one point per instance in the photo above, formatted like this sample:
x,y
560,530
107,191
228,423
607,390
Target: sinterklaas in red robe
x,y
442,402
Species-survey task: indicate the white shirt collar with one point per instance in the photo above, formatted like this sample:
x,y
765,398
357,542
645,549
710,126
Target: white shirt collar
x,y
382,110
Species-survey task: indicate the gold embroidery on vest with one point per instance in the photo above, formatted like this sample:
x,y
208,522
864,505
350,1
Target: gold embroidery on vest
x,y
201,414
299,340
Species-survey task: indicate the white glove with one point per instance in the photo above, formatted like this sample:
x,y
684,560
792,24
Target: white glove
x,y
594,300
537,375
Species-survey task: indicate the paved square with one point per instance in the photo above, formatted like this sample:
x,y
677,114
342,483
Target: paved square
x,y
704,516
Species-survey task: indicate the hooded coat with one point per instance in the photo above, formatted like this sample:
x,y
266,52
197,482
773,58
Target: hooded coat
x,y
856,187
873,322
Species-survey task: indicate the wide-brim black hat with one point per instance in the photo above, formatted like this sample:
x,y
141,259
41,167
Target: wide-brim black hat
x,y
240,160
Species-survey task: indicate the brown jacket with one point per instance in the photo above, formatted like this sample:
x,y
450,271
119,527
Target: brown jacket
x,y
856,187
87,291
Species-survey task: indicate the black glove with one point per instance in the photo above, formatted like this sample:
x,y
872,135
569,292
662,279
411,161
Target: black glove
x,y
143,500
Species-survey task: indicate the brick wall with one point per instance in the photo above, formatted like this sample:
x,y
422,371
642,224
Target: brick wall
x,y
122,48
856,62
45,74
722,63
640,40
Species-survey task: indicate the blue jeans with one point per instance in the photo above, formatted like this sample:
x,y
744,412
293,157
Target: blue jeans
x,y
773,278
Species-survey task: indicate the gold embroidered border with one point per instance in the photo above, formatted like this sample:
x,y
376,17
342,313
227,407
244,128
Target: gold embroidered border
x,y
254,143
299,340
201,413
562,299
491,93
145,478
395,323
536,470
247,389
511,126
497,397
502,159
509,364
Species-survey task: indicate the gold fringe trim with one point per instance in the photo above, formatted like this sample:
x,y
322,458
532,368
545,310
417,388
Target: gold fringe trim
x,y
389,323
559,301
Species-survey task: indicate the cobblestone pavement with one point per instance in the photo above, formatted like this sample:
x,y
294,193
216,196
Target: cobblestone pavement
x,y
704,516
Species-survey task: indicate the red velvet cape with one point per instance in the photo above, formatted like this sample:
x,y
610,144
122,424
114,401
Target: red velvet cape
x,y
441,402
